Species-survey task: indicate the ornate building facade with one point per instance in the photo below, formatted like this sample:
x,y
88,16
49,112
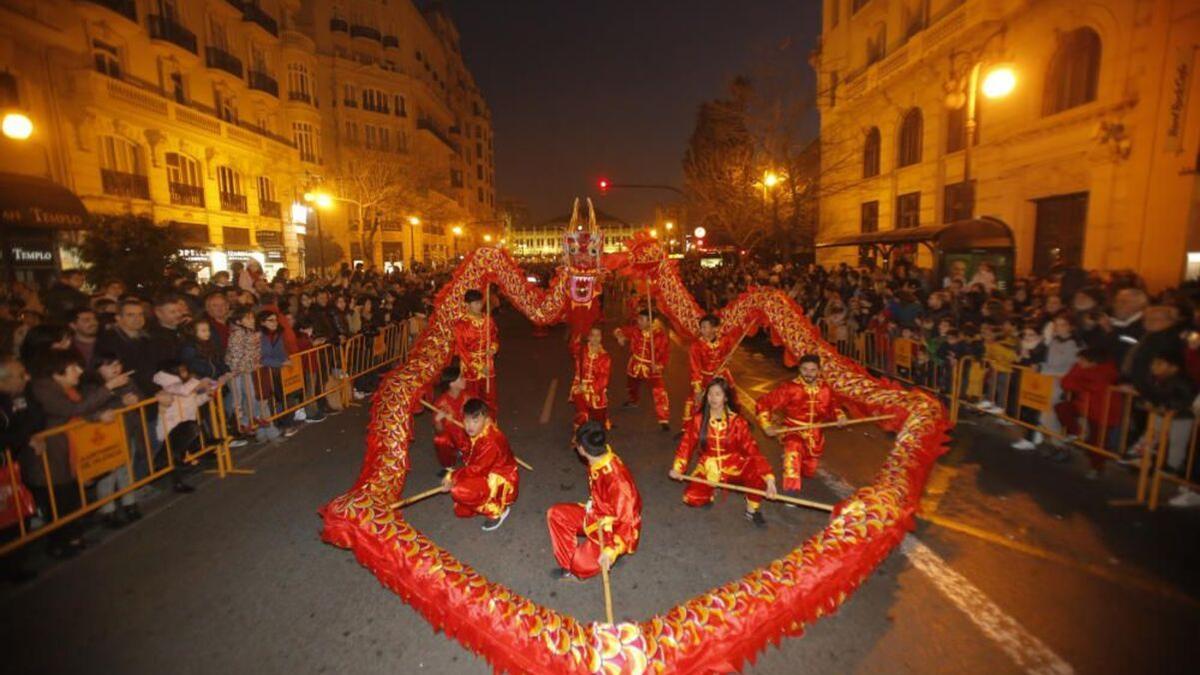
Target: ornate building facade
x,y
1091,159
216,116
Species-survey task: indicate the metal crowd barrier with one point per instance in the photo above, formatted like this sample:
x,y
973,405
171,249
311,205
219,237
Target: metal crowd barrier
x,y
1025,397
80,466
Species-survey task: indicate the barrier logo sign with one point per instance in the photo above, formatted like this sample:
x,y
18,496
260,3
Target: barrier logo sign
x,y
1037,391
902,349
96,449
291,376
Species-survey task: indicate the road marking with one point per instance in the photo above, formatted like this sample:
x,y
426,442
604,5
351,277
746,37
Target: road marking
x,y
548,406
1026,650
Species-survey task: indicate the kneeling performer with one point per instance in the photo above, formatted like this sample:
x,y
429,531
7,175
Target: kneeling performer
x,y
803,402
487,483
728,452
610,523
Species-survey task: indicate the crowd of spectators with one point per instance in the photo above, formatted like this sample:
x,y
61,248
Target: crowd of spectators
x,y
1100,335
71,353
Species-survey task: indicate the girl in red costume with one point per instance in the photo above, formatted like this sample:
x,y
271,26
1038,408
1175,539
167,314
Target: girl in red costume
x,y
450,439
648,351
476,342
728,452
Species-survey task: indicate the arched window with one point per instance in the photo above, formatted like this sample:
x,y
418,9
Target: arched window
x,y
184,180
871,153
909,146
123,168
1073,72
106,58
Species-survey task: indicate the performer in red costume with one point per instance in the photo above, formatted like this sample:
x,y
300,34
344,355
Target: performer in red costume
x,y
450,439
487,483
728,452
648,352
805,400
611,521
589,389
476,342
705,356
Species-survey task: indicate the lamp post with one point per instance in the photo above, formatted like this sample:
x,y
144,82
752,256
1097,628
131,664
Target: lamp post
x,y
457,232
997,80
413,222
321,201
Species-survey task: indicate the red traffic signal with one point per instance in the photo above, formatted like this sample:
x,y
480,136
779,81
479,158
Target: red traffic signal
x,y
603,186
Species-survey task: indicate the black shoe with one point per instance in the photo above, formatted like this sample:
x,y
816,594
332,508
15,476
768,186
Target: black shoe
x,y
442,473
756,517
182,487
115,520
133,512
559,574
664,426
678,436
62,551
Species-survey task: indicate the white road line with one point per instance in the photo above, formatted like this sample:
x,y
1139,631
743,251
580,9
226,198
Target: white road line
x,y
1025,649
548,406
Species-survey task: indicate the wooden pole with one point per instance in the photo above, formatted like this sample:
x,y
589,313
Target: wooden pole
x,y
650,309
417,497
607,587
780,498
732,350
846,423
487,336
458,424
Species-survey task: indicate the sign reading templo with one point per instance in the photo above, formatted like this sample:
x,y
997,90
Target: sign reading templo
x,y
29,255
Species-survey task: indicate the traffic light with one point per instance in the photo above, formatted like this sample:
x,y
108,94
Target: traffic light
x,y
603,186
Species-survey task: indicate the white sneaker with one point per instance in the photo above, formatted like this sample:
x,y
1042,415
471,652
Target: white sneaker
x,y
1185,498
1024,445
1038,438
494,523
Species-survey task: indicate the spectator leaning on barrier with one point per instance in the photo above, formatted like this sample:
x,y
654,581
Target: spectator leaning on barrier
x,y
244,357
125,393
1090,383
18,422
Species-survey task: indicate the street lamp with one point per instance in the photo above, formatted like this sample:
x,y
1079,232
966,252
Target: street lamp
x,y
699,232
770,179
457,232
323,201
998,82
17,126
413,222
487,238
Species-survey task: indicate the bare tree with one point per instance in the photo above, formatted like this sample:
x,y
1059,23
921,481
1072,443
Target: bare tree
x,y
389,188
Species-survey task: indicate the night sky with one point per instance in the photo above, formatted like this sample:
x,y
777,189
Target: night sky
x,y
580,90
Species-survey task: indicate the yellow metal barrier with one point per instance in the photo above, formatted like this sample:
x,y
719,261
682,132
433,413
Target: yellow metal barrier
x,y
89,453
1162,471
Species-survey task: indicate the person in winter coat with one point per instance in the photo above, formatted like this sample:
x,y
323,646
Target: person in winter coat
x,y
1090,385
244,357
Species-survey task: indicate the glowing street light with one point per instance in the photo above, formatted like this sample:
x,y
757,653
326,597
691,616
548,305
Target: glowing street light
x,y
770,179
670,225
487,238
457,230
699,232
17,126
321,199
654,233
414,221
999,82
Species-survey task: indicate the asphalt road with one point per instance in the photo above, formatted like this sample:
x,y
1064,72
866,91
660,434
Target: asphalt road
x,y
1020,564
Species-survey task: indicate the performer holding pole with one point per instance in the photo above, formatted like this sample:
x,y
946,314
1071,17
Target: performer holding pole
x,y
708,358
728,453
648,352
450,438
487,483
611,521
589,389
475,344
807,400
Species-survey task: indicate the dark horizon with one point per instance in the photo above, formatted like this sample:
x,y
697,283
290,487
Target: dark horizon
x,y
576,89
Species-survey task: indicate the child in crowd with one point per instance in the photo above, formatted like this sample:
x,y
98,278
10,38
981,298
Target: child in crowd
x,y
244,357
1089,383
1000,353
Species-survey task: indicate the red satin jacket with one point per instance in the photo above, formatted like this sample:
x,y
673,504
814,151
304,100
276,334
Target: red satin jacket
x,y
471,341
591,377
488,453
800,403
703,360
615,507
729,447
640,363
454,407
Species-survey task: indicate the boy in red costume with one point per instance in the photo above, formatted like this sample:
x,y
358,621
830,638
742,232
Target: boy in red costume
x,y
728,452
806,400
705,356
476,342
648,352
589,389
487,483
450,439
611,521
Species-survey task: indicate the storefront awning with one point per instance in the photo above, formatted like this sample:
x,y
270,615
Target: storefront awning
x,y
964,234
29,201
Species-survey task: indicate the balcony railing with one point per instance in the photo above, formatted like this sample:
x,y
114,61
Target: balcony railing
x,y
233,202
270,209
186,195
429,125
255,14
170,30
302,96
126,8
391,41
124,184
263,82
365,32
339,26
220,59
